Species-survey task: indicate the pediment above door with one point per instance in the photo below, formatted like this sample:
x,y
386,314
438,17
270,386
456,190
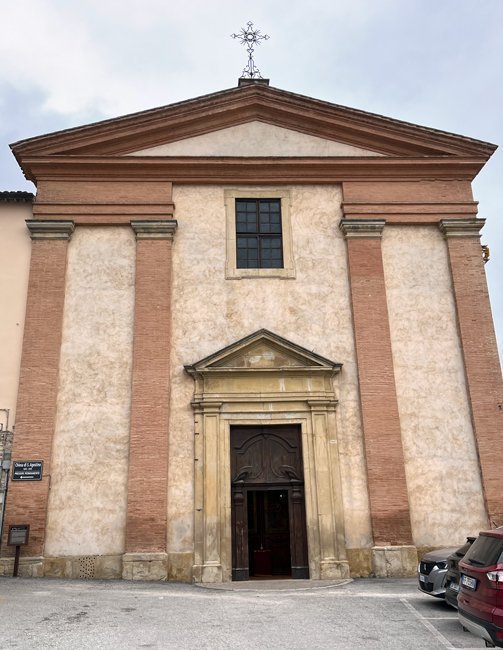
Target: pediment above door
x,y
263,366
262,350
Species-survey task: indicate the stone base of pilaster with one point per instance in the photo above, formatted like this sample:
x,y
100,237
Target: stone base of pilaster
x,y
145,566
207,573
394,561
334,570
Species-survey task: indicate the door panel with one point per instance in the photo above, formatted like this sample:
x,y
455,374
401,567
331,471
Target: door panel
x,y
266,455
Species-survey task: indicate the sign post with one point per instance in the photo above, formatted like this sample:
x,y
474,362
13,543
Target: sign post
x,y
18,536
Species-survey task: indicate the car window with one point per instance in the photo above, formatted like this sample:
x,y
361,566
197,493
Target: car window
x,y
461,552
485,551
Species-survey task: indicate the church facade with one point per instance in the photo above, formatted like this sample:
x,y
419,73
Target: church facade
x,y
258,341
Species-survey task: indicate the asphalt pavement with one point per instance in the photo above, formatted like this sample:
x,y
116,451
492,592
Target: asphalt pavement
x,y
295,615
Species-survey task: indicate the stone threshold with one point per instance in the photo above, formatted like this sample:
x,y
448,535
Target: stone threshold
x,y
283,584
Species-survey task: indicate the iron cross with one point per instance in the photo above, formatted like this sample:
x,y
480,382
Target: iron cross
x,y
250,37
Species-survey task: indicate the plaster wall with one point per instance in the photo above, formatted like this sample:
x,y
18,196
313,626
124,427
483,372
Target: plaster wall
x,y
255,139
87,506
442,471
210,312
14,272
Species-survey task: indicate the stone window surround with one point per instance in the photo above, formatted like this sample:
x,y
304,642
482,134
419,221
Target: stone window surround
x,y
231,270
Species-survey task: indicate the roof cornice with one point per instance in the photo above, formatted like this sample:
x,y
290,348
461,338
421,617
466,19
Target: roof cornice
x,y
267,171
226,108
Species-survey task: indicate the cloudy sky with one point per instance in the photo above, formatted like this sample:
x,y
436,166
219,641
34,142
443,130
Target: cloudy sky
x,y
438,63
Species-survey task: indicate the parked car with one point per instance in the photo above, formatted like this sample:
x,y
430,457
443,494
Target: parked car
x,y
452,576
480,600
431,572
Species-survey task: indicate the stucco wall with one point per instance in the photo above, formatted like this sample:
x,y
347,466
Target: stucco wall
x,y
442,470
87,508
255,139
15,250
87,504
210,312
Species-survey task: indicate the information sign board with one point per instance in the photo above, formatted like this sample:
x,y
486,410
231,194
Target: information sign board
x,y
18,534
27,470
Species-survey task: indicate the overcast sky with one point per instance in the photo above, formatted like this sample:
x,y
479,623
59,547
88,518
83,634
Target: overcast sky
x,y
437,63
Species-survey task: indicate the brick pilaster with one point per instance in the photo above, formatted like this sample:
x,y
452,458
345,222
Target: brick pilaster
x,y
480,354
38,382
389,504
149,439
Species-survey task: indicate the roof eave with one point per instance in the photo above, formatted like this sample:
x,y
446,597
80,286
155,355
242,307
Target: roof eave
x,y
237,105
256,170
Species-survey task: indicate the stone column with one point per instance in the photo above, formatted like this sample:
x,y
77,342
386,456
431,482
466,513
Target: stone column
x,y
480,353
146,524
38,382
389,503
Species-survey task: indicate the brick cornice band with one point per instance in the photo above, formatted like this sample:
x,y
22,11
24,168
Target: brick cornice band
x,y
461,227
362,228
155,229
41,229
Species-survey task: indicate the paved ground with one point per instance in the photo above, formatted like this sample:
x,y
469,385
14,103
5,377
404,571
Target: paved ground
x,y
294,615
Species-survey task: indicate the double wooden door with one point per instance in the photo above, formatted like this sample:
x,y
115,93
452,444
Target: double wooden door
x,y
268,508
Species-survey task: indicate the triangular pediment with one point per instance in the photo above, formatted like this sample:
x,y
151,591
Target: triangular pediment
x,y
170,126
255,139
262,351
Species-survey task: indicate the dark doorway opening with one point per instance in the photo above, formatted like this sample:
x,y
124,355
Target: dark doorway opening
x,y
269,536
268,533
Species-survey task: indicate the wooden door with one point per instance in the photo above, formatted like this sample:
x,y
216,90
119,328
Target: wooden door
x,y
268,509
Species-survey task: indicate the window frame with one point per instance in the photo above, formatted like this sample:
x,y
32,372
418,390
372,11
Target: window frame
x,y
265,235
232,272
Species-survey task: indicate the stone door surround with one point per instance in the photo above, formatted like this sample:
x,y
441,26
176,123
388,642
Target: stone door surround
x,y
265,379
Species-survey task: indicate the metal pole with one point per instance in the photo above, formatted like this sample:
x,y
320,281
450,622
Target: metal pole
x,y
2,517
16,561
5,462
